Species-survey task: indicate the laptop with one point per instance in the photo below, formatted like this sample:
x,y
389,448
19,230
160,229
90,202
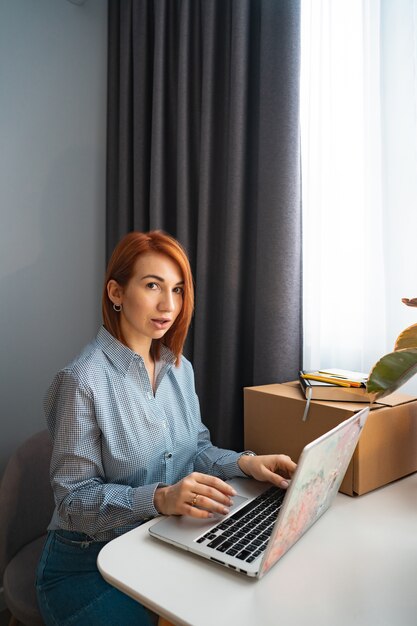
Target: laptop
x,y
265,521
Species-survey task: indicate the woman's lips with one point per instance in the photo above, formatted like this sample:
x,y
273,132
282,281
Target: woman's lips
x,y
161,323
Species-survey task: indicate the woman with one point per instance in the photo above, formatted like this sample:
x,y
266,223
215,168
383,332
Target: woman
x,y
128,441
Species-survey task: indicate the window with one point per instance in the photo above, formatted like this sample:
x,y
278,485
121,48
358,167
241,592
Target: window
x,y
359,172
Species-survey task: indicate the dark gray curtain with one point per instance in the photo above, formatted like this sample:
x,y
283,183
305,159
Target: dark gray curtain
x,y
203,142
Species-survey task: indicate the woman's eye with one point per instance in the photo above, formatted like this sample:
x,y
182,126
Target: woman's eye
x,y
152,285
179,290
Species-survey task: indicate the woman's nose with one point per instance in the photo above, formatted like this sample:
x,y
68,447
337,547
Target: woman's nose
x,y
166,302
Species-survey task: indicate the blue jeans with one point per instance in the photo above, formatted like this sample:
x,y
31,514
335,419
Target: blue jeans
x,y
71,590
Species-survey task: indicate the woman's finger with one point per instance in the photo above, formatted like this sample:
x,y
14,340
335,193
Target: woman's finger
x,y
202,502
213,482
209,493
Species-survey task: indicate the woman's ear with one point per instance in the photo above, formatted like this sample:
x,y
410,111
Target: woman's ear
x,y
114,291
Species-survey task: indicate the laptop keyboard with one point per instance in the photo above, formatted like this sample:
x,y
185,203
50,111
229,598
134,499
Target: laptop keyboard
x,y
245,534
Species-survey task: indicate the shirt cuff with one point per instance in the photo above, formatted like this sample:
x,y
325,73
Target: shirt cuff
x,y
231,469
143,500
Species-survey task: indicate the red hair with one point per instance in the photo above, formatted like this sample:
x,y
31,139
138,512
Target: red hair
x,y
121,268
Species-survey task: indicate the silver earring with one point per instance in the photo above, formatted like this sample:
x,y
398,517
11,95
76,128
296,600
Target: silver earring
x,y
117,307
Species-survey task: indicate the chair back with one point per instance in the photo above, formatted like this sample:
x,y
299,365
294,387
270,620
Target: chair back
x,y
26,497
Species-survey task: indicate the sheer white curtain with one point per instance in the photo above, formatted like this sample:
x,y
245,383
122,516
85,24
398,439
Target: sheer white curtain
x,y
359,165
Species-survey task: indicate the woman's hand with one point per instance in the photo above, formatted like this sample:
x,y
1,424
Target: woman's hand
x,y
197,495
273,468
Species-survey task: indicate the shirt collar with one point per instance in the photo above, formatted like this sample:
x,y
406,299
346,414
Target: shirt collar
x,y
122,356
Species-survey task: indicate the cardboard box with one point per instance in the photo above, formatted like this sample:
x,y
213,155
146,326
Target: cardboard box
x,y
387,449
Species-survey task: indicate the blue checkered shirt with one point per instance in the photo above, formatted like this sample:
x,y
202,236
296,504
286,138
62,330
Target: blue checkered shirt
x,y
115,440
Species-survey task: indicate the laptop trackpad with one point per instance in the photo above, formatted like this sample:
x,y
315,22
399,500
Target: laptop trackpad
x,y
237,501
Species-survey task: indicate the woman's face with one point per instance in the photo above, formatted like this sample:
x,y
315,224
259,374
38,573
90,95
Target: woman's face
x,y
151,301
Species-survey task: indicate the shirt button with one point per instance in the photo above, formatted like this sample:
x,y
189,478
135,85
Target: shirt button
x,y
150,395
168,455
164,424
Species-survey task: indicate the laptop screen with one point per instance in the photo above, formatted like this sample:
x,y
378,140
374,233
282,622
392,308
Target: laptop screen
x,y
319,473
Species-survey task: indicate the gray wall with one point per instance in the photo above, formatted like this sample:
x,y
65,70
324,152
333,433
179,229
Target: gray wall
x,y
53,65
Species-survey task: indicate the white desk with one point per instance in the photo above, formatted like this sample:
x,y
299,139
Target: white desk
x,y
357,566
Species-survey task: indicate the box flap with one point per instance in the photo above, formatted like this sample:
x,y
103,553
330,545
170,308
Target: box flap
x,y
394,399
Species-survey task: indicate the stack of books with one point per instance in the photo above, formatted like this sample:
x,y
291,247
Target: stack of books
x,y
335,385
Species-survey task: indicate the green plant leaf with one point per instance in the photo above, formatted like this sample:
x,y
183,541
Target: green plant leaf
x,y
407,339
391,372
